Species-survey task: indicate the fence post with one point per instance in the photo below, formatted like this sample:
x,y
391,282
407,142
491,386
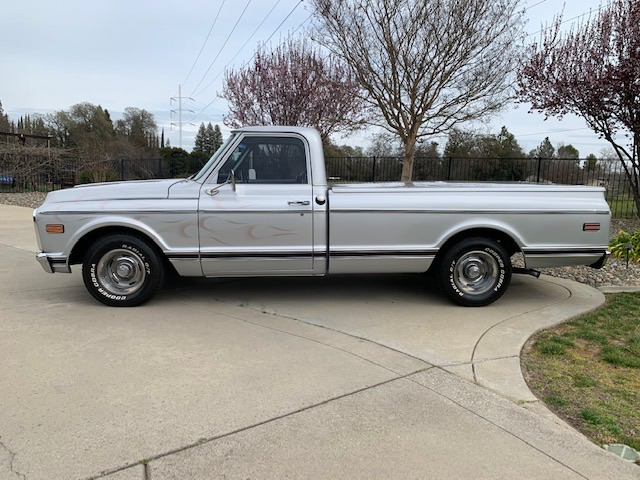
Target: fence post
x,y
373,175
539,167
449,170
122,169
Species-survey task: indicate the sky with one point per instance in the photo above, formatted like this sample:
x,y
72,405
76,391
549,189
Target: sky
x,y
142,53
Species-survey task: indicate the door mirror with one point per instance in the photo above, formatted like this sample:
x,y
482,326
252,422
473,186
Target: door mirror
x,y
232,177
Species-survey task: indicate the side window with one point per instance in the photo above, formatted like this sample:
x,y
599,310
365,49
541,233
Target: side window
x,y
267,160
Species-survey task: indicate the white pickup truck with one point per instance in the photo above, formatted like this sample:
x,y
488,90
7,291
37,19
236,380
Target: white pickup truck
x,y
262,206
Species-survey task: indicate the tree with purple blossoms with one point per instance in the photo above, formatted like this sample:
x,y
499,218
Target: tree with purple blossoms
x,y
593,71
294,84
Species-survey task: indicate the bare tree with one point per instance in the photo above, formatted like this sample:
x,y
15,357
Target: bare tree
x,y
593,71
426,65
29,165
294,84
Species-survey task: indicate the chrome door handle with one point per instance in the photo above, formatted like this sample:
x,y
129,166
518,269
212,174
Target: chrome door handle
x,y
306,202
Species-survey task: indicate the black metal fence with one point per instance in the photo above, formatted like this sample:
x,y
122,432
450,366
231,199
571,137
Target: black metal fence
x,y
19,173
457,169
603,173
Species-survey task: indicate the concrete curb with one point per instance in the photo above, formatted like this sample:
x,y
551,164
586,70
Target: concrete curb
x,y
615,289
496,359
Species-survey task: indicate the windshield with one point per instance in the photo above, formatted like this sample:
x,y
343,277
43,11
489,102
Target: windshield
x,y
213,159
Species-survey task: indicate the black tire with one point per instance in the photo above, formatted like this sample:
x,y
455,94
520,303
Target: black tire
x,y
122,270
475,272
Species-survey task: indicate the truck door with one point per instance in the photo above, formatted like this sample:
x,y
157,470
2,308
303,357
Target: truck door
x,y
261,221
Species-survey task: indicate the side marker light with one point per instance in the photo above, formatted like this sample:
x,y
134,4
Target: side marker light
x,y
52,228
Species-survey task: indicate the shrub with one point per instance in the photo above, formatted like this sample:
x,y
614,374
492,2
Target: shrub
x,y
96,175
626,242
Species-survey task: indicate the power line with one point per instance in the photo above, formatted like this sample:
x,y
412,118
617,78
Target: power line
x,y
570,19
241,48
534,5
282,23
205,42
274,32
203,104
222,47
229,62
551,131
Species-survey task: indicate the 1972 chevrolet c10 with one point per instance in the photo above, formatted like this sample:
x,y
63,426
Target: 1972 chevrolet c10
x,y
262,206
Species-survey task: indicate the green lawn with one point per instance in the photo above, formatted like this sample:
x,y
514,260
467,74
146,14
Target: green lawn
x,y
588,371
622,208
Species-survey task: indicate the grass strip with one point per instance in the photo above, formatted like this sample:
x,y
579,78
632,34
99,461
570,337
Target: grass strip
x,y
588,371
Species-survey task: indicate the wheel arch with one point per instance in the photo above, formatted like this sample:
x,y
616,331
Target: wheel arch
x,y
500,236
81,247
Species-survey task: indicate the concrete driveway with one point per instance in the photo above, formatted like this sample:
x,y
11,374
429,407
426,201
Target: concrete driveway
x,y
347,377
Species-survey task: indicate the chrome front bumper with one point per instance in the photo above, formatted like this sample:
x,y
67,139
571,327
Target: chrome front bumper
x,y
53,264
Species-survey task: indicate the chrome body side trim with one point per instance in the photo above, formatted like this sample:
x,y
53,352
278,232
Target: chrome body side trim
x,y
446,211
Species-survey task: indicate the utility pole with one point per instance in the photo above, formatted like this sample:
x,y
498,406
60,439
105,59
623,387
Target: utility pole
x,y
179,99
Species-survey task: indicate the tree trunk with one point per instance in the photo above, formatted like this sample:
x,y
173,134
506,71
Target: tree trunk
x,y
635,168
409,157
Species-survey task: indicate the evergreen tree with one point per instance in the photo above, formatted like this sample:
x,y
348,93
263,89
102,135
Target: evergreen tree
x,y
568,152
209,140
544,150
499,153
200,141
507,145
466,144
217,138
173,152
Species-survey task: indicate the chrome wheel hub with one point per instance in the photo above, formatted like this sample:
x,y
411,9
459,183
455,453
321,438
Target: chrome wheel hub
x,y
121,272
476,272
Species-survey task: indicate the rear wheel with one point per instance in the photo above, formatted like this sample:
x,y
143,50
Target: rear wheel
x,y
475,272
122,270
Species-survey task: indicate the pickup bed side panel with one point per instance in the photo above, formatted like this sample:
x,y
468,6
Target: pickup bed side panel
x,y
401,229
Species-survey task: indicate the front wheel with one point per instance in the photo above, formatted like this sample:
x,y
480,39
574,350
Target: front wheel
x,y
475,272
122,270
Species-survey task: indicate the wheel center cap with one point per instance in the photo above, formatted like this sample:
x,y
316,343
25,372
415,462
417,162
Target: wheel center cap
x,y
124,270
473,271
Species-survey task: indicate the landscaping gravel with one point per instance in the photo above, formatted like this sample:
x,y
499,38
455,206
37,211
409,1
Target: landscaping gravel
x,y
614,273
29,199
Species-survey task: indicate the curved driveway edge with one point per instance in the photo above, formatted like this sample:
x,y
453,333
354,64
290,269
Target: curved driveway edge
x,y
481,345
496,357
